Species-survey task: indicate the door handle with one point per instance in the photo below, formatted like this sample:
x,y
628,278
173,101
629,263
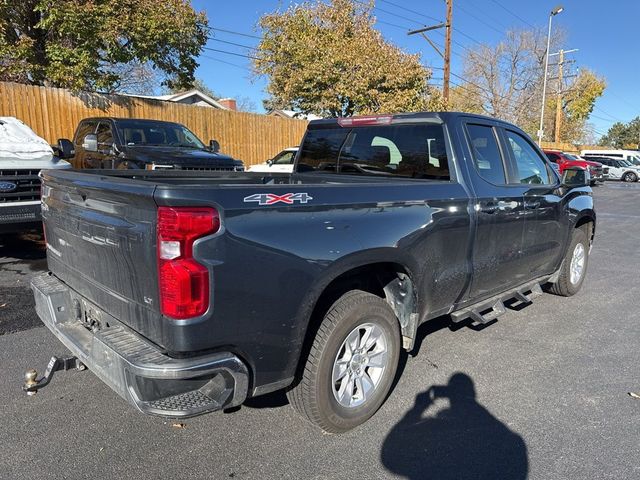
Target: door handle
x,y
532,205
502,205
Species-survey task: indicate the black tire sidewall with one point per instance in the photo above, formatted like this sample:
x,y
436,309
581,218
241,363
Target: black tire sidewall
x,y
377,312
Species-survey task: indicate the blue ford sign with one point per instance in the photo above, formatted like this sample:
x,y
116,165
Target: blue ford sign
x,y
6,187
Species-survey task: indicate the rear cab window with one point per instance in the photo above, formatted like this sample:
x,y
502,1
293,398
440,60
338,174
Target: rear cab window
x,y
405,150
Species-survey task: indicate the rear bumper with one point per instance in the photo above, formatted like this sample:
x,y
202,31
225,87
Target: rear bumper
x,y
133,367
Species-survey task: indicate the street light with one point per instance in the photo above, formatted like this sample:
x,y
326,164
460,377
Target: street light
x,y
553,13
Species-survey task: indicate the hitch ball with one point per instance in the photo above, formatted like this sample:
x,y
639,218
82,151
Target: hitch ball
x,y
30,381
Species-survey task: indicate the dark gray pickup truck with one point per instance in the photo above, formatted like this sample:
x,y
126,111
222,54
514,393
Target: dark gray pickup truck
x,y
135,143
189,292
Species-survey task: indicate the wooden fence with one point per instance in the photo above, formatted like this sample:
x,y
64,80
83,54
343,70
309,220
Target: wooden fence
x,y
55,113
570,147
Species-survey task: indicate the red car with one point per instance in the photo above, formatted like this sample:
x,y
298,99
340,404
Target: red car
x,y
564,160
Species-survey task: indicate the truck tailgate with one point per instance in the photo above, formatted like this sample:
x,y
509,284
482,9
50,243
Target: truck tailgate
x,y
101,242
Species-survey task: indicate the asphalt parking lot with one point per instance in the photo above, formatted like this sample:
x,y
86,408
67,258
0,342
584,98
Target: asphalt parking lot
x,y
541,394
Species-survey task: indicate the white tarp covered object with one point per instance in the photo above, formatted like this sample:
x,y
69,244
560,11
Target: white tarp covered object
x,y
19,145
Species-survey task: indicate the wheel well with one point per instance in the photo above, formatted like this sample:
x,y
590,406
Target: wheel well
x,y
389,281
588,225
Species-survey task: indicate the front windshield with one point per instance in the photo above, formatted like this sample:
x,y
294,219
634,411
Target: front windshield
x,y
634,160
571,156
140,132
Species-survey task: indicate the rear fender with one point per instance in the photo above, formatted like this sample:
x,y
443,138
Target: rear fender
x,y
400,292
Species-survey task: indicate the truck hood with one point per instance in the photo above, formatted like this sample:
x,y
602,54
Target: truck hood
x,y
592,164
178,156
582,163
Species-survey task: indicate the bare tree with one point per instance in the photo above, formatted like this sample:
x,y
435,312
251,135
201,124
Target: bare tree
x,y
505,80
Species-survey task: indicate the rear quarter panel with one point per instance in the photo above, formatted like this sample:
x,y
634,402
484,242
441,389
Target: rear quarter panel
x,y
270,263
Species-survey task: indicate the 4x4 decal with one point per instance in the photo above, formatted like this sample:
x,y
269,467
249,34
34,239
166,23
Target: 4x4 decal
x,y
272,198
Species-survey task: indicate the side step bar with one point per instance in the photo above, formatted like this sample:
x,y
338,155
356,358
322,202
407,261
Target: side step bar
x,y
489,309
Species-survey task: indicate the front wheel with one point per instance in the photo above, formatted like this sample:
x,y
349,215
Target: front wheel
x,y
352,363
574,266
630,177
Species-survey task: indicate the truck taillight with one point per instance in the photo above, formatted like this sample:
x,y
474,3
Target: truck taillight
x,y
183,282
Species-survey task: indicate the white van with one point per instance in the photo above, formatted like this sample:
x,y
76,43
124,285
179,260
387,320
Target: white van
x,y
632,155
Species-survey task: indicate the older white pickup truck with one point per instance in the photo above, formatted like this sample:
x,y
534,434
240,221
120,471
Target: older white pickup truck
x,y
22,155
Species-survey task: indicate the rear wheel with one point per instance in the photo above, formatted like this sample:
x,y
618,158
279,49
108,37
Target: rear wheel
x,y
574,266
350,368
630,177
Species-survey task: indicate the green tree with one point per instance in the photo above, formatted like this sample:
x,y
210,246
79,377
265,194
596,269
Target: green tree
x,y
328,59
91,44
622,135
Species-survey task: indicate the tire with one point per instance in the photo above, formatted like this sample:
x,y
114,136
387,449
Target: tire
x,y
313,396
567,285
630,177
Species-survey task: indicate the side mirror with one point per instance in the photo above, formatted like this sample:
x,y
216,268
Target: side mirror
x,y
270,162
576,177
90,143
65,148
214,146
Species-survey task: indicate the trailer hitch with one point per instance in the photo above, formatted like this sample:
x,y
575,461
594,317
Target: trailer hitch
x,y
32,385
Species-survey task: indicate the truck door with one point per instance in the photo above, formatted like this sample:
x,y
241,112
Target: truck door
x,y
544,234
497,256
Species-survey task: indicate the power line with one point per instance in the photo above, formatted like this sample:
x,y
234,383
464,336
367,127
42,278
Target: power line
x,y
591,115
410,11
224,61
235,33
392,24
607,114
232,43
625,101
230,53
513,14
388,12
460,7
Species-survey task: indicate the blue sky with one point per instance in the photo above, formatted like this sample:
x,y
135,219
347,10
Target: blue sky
x,y
606,34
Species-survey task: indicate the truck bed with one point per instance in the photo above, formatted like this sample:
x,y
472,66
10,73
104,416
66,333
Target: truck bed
x,y
101,240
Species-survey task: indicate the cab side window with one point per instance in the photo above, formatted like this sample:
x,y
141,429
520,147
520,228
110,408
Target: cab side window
x,y
553,157
486,153
84,129
531,167
105,135
285,158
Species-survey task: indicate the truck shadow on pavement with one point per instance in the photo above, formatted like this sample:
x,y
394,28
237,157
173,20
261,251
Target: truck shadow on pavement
x,y
27,246
462,441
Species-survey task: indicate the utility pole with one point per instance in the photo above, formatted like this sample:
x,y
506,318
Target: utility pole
x,y
556,137
447,52
446,56
560,78
553,13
